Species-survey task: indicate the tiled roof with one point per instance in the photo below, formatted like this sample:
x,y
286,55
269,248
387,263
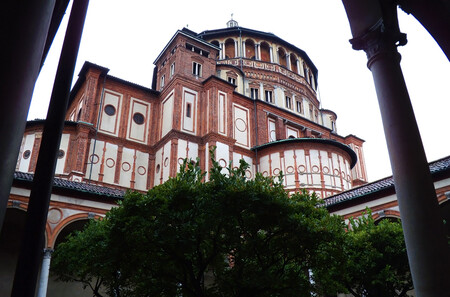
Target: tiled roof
x,y
438,166
76,186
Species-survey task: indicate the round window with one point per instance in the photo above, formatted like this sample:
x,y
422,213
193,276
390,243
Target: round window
x,y
61,154
26,154
138,118
110,110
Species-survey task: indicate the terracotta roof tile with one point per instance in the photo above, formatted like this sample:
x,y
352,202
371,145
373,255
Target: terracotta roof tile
x,y
440,165
77,186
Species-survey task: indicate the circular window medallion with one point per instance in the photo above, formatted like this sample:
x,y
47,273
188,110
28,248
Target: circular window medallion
x,y
289,169
61,154
26,154
302,168
265,174
326,170
166,162
248,174
110,110
240,125
158,168
276,171
138,118
54,215
223,163
336,172
315,169
180,161
110,162
126,166
141,170
94,159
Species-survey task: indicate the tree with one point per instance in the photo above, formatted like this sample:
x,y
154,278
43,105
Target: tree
x,y
377,261
229,236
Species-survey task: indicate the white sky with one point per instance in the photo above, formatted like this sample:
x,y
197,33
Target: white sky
x,y
127,36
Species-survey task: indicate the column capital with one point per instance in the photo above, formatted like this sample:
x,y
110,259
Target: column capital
x,y
379,40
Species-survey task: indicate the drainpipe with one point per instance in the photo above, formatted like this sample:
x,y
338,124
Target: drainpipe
x,y
375,30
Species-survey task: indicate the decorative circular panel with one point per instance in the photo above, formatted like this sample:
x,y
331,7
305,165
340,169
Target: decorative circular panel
x,y
276,171
265,173
325,169
248,174
223,163
158,168
54,215
240,125
290,169
126,166
166,162
315,169
336,172
141,170
94,159
180,161
301,168
110,162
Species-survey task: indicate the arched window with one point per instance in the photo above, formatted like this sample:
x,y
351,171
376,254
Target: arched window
x,y
229,49
265,52
250,49
282,57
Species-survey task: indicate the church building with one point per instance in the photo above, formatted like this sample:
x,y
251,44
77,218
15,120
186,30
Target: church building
x,y
248,94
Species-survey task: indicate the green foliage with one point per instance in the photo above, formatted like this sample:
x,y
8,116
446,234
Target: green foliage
x,y
377,261
229,236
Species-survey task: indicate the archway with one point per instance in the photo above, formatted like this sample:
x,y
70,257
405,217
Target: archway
x,y
56,288
250,49
282,57
229,49
265,52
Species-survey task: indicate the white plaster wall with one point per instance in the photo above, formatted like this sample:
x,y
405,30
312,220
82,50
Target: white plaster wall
x,y
109,168
275,164
137,132
141,171
126,167
94,159
28,143
272,130
222,112
166,162
158,166
167,114
302,167
222,154
289,168
264,167
315,167
189,123
64,145
279,96
241,125
110,124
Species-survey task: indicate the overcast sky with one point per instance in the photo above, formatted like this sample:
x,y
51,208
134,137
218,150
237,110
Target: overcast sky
x,y
127,36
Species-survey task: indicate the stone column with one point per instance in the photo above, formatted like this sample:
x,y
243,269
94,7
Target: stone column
x,y
257,52
236,47
288,61
298,67
243,49
271,54
45,269
222,51
375,30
